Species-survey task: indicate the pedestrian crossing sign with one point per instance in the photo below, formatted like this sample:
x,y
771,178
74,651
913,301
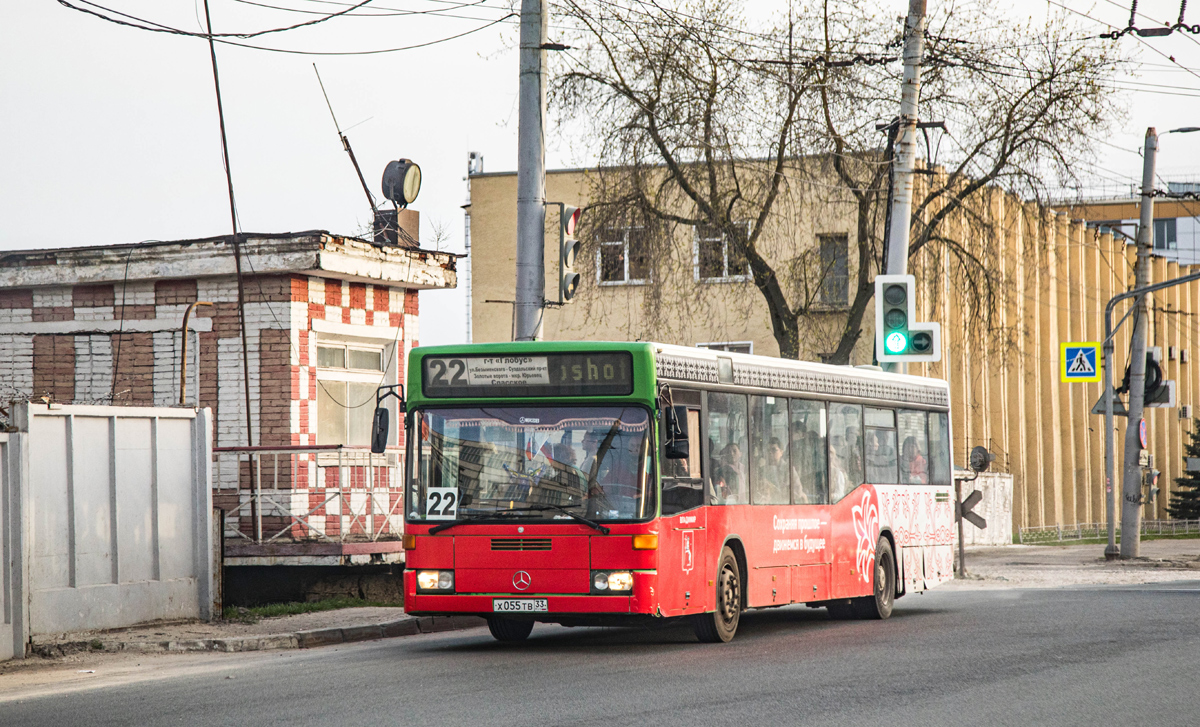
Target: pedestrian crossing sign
x,y
1080,361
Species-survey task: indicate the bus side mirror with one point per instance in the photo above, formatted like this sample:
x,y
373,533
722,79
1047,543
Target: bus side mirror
x,y
677,433
980,459
379,430
380,426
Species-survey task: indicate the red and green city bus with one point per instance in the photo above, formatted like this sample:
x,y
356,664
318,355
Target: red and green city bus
x,y
604,483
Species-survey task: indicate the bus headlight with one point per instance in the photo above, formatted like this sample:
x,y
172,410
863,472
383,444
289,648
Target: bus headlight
x,y
435,580
620,581
612,581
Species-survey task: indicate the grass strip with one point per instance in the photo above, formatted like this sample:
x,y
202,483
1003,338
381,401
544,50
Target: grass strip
x,y
239,613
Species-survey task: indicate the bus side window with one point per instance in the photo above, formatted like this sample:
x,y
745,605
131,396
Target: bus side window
x,y
808,435
682,487
769,470
914,447
845,449
727,471
939,448
881,446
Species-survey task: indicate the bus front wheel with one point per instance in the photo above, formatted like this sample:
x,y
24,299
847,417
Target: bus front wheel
x,y
879,604
721,625
506,629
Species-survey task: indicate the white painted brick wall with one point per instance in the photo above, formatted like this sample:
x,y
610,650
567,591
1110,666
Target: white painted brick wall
x,y
166,367
16,366
16,315
93,368
56,297
99,313
136,293
217,290
316,290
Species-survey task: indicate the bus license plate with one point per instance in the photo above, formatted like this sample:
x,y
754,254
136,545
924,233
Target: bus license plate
x,y
519,605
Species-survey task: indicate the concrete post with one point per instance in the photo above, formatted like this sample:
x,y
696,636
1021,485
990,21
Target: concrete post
x,y
1131,506
531,175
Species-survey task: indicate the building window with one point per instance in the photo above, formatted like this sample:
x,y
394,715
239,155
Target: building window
x,y
835,270
730,346
717,260
347,377
1164,234
622,257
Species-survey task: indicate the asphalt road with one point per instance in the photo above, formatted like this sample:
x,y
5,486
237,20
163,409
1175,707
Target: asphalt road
x,y
1087,656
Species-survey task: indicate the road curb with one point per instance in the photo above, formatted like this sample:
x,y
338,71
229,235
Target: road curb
x,y
407,626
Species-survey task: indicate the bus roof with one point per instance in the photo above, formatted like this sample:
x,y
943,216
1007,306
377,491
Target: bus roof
x,y
705,368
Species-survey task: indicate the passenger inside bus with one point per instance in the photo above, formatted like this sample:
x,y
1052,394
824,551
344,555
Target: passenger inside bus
x,y
839,475
913,468
731,470
614,491
776,472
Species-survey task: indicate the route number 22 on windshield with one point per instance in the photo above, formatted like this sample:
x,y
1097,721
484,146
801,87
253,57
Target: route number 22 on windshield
x,y
441,503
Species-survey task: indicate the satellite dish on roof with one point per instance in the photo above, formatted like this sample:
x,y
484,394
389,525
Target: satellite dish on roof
x,y
402,181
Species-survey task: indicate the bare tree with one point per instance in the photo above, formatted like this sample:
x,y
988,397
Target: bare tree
x,y
703,118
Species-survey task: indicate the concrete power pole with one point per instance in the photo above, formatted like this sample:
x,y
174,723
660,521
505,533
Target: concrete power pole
x,y
531,175
906,141
1131,501
900,193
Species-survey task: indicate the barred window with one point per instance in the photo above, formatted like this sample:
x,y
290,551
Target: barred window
x,y
717,258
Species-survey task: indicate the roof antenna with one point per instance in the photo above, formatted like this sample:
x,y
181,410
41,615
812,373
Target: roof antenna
x,y
345,142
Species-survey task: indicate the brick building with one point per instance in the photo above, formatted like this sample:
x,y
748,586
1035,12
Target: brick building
x,y
328,319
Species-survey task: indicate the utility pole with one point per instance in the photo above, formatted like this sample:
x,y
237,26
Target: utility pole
x,y
531,175
1131,504
902,153
906,141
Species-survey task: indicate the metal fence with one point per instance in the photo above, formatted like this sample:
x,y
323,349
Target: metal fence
x,y
1099,531
328,493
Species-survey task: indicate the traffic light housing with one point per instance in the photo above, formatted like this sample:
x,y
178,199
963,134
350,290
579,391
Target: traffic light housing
x,y
568,250
898,337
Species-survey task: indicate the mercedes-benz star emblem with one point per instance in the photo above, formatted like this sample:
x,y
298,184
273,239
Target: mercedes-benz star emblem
x,y
521,580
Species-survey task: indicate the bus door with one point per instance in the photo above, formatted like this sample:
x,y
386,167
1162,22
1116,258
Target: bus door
x,y
682,529
854,517
804,527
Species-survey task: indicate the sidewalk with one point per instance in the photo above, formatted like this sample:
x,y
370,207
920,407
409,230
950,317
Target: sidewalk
x,y
300,631
1055,566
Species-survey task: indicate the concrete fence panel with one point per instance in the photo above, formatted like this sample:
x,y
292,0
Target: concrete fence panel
x,y
12,620
116,526
996,507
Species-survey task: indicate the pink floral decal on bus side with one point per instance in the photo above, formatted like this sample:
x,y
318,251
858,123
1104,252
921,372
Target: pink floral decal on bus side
x,y
866,527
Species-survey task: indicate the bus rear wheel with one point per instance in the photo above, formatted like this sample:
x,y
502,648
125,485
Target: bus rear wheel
x,y
507,629
879,605
721,625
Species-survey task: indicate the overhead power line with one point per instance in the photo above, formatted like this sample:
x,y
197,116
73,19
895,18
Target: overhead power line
x,y
138,23
160,28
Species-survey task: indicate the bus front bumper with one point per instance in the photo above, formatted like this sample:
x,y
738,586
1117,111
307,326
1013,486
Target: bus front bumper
x,y
531,605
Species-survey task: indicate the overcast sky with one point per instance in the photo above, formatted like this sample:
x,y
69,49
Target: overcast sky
x,y
109,134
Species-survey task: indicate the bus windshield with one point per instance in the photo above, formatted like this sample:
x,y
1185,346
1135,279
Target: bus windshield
x,y
528,462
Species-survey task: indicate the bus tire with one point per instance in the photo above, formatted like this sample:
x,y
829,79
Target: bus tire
x,y
720,625
507,629
879,605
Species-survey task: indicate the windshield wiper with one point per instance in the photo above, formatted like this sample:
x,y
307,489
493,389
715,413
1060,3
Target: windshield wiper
x,y
508,511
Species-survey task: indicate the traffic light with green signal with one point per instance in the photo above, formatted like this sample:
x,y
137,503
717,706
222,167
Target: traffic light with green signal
x,y
568,250
898,337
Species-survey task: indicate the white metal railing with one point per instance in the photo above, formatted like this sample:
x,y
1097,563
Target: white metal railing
x,y
1086,531
329,493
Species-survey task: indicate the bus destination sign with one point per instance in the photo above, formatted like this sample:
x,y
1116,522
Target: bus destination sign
x,y
553,374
